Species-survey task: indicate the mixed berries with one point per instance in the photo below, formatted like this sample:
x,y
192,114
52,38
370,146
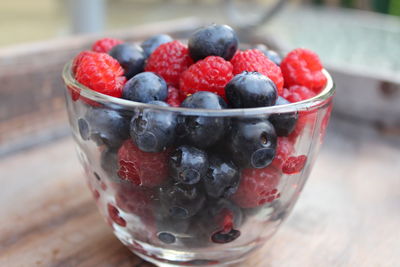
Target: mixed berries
x,y
192,178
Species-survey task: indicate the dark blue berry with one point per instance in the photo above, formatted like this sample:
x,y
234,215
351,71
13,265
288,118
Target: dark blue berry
x,y
181,201
222,237
252,143
131,58
213,40
145,87
250,90
153,130
271,54
188,164
218,222
170,230
284,123
83,128
166,237
222,179
155,41
197,129
274,57
106,127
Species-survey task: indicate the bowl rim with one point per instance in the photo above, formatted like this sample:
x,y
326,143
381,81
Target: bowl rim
x,y
306,105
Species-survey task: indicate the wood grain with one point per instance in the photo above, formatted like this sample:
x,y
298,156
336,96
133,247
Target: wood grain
x,y
348,214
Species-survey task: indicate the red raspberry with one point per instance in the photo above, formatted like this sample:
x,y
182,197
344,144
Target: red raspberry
x,y
105,45
257,187
169,61
142,168
303,67
298,93
77,60
113,212
210,74
294,164
100,72
255,60
173,98
284,149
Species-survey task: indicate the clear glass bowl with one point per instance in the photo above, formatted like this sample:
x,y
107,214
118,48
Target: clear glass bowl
x,y
185,225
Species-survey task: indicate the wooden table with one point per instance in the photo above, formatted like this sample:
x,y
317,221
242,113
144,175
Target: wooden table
x,y
348,214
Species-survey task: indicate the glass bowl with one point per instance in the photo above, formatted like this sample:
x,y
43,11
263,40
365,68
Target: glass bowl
x,y
244,182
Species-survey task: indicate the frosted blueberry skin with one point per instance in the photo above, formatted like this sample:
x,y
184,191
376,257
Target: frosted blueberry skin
x,y
284,123
145,87
152,130
104,126
196,130
251,90
180,201
188,164
154,42
222,178
131,58
252,143
213,40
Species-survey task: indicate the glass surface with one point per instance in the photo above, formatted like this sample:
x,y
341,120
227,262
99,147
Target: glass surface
x,y
171,228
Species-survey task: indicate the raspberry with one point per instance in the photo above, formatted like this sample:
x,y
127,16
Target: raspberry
x,y
257,187
303,67
114,215
100,72
255,60
77,60
142,168
284,149
210,74
169,60
105,45
294,164
173,98
298,93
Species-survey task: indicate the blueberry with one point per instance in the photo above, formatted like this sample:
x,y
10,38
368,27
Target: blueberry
x,y
153,130
213,40
274,57
197,129
109,162
218,222
250,90
222,237
106,127
166,237
271,54
152,43
131,57
252,143
145,87
222,179
284,123
171,230
188,164
180,201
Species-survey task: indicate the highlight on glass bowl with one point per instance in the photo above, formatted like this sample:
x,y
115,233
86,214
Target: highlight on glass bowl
x,y
196,151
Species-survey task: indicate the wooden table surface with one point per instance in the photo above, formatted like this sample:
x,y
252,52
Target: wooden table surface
x,y
348,214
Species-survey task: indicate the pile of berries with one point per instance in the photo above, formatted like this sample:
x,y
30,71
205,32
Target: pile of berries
x,y
193,177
